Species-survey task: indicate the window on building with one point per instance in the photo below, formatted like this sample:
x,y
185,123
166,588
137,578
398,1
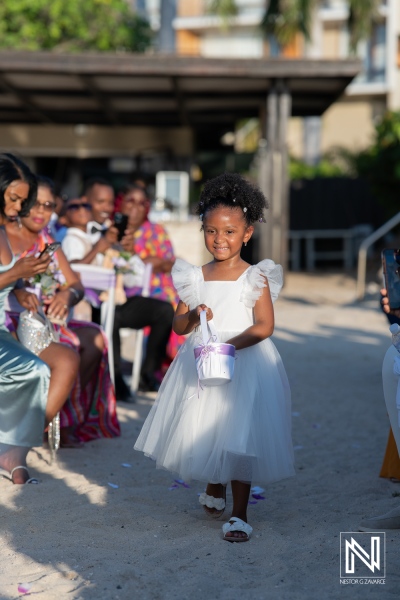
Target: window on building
x,y
373,52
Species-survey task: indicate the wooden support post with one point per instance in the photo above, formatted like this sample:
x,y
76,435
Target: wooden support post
x,y
285,110
273,177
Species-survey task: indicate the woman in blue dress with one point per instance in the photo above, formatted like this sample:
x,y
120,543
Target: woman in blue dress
x,y
27,399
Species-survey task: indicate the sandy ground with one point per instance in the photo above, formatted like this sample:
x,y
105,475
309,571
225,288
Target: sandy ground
x,y
76,537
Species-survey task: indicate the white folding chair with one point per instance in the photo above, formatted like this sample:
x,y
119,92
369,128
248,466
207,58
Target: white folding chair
x,y
99,278
137,361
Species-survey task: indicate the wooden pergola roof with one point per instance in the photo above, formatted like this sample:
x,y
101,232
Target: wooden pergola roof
x,y
129,89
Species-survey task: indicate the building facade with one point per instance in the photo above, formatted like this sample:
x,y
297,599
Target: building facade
x,y
347,123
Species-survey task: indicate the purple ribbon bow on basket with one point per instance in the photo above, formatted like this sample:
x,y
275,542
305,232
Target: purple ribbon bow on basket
x,y
209,371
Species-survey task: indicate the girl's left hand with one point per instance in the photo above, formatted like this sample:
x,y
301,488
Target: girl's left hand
x,y
27,300
58,305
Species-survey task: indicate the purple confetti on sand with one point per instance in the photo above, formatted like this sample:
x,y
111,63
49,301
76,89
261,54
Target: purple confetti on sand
x,y
126,465
258,497
252,501
114,486
181,482
173,487
257,489
24,588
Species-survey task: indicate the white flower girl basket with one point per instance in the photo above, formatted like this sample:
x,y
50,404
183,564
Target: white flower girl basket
x,y
215,361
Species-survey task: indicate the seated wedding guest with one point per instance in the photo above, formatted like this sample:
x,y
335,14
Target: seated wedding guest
x,y
151,243
29,397
100,195
78,245
90,411
56,226
103,235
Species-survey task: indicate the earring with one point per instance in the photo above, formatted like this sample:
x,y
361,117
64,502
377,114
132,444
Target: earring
x,y
245,243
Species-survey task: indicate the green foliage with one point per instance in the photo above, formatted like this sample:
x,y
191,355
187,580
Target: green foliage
x,y
225,9
72,25
298,169
222,8
361,18
380,164
285,18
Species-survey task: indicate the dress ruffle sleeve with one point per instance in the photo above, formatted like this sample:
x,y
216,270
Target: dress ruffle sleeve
x,y
186,281
254,281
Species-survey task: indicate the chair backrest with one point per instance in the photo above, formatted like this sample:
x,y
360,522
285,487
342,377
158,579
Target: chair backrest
x,y
146,285
96,278
99,278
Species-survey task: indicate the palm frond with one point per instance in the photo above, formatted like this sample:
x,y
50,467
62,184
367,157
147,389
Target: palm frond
x,y
361,18
225,9
285,18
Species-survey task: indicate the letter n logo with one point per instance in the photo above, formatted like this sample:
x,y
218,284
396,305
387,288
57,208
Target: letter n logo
x,y
362,554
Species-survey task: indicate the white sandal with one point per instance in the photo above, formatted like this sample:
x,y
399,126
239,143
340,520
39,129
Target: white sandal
x,y
218,504
236,524
30,480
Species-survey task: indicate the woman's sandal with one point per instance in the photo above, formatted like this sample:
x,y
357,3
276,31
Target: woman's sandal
x,y
236,524
30,480
213,507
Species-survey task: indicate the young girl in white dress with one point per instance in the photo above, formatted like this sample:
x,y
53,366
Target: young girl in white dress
x,y
239,432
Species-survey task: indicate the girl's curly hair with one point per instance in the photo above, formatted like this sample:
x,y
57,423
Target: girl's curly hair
x,y
231,189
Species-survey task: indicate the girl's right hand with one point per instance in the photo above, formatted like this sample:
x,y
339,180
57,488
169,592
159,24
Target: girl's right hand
x,y
200,308
29,266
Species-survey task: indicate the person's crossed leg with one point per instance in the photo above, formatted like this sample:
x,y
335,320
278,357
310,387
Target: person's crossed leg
x,y
139,312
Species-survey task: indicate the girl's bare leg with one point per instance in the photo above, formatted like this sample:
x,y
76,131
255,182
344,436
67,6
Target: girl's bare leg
x,y
92,346
217,490
64,366
241,494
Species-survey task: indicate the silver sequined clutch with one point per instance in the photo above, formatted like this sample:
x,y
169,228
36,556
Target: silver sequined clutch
x,y
35,331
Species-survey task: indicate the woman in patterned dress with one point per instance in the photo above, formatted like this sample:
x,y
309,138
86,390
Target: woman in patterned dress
x,y
152,245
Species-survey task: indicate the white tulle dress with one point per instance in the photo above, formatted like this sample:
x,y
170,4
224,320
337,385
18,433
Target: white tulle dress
x,y
237,431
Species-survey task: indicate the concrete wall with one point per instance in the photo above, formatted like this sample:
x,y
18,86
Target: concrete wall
x,y
350,123
188,241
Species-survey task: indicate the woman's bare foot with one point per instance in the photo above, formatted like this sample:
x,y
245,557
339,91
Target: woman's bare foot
x,y
19,475
15,457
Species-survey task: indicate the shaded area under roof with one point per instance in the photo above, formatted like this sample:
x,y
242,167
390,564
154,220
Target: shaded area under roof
x,y
130,89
